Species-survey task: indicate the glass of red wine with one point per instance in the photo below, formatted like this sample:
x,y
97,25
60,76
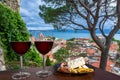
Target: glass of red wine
x,y
20,48
44,45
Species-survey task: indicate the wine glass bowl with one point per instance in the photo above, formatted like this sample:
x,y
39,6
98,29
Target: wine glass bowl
x,y
20,48
43,46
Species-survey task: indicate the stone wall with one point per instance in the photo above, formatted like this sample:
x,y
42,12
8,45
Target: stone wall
x,y
14,4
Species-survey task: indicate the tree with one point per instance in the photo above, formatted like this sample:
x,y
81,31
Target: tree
x,y
90,15
61,55
12,23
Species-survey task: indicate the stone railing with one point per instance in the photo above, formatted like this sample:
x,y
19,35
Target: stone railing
x,y
2,62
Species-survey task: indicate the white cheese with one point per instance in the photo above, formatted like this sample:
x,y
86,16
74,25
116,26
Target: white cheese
x,y
79,62
84,66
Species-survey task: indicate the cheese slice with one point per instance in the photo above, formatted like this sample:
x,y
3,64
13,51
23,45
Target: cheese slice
x,y
84,66
78,62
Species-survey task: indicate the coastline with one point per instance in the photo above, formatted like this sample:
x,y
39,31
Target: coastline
x,y
69,34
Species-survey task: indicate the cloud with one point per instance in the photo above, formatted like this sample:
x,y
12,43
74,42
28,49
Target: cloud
x,y
40,28
40,2
24,12
31,7
29,11
36,25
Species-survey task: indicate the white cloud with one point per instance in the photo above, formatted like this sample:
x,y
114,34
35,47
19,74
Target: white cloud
x,y
31,4
40,28
30,13
40,2
24,12
114,3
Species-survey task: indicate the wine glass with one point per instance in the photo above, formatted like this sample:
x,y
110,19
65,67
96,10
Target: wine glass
x,y
44,45
20,48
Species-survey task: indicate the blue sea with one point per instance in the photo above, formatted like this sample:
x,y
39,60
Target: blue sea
x,y
68,34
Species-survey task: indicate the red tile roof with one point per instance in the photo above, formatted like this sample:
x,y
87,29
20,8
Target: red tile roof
x,y
90,51
113,47
109,63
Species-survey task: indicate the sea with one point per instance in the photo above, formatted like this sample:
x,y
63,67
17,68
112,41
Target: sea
x,y
69,34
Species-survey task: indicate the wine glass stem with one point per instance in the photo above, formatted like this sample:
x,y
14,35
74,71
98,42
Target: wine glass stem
x,y
21,64
43,62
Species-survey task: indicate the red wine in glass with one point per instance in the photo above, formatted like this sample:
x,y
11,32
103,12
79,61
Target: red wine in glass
x,y
20,47
43,47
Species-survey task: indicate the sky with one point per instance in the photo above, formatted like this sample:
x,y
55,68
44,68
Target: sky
x,y
29,10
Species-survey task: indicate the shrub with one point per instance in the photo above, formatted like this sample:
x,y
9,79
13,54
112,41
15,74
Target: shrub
x,y
32,58
48,61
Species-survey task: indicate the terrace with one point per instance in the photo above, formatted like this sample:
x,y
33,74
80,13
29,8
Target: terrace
x,y
81,46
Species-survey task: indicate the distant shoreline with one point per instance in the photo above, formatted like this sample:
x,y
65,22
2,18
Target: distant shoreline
x,y
68,34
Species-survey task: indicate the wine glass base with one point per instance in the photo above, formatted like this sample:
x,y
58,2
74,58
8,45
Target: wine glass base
x,y
43,73
20,76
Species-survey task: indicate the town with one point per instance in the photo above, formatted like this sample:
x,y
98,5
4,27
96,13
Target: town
x,y
87,48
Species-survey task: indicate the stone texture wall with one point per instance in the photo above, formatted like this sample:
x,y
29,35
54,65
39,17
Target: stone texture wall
x,y
14,4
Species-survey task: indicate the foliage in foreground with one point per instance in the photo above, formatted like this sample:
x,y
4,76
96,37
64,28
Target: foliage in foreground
x,y
12,23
